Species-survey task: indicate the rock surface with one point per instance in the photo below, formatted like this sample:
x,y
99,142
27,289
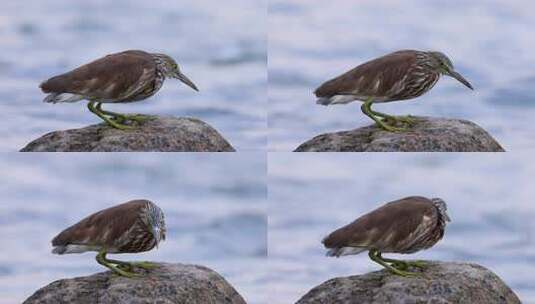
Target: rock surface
x,y
439,282
166,284
427,135
158,134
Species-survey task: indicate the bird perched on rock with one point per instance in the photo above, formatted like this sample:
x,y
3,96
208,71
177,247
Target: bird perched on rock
x,y
117,78
132,227
397,76
403,226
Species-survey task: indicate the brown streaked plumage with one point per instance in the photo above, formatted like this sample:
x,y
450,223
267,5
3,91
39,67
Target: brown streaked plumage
x,y
113,78
131,227
361,80
396,76
123,77
402,226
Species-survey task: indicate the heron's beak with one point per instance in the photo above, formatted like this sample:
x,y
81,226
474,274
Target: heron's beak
x,y
186,80
447,217
460,79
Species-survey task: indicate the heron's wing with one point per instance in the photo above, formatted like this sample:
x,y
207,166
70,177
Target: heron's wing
x,y
387,225
103,227
373,78
113,77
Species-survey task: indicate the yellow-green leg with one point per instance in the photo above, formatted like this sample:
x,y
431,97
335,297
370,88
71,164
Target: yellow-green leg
x,y
91,106
130,265
408,119
101,259
375,255
404,265
366,109
123,117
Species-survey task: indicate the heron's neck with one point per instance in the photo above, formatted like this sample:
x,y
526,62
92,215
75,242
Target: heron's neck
x,y
161,65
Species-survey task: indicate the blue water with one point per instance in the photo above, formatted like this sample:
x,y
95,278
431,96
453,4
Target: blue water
x,y
489,197
215,210
489,41
222,48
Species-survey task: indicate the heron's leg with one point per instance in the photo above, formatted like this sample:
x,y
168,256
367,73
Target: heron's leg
x,y
96,111
115,116
130,265
138,117
375,255
400,264
101,259
408,119
145,265
366,109
123,117
416,263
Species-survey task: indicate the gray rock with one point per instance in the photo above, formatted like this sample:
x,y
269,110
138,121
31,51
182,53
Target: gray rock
x,y
158,134
166,284
427,135
439,282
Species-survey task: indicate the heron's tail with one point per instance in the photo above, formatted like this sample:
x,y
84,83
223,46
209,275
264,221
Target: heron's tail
x,y
339,251
59,250
336,99
324,101
62,97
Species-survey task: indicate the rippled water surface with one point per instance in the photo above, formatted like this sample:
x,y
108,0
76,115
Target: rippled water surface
x,y
490,42
222,48
489,197
214,205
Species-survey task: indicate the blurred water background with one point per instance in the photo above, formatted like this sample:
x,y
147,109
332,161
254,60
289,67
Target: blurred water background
x,y
489,41
489,197
215,208
221,47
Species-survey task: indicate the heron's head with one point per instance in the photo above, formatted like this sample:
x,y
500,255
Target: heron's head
x,y
156,222
171,69
442,208
442,64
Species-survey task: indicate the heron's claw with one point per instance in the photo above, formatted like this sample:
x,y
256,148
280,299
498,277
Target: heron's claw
x,y
389,127
394,120
403,273
121,272
144,265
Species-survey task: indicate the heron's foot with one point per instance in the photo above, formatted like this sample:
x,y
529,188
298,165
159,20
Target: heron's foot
x,y
401,265
114,123
117,124
95,109
129,266
404,265
121,271
138,118
119,117
381,119
417,264
125,267
388,127
394,266
402,273
394,120
145,265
